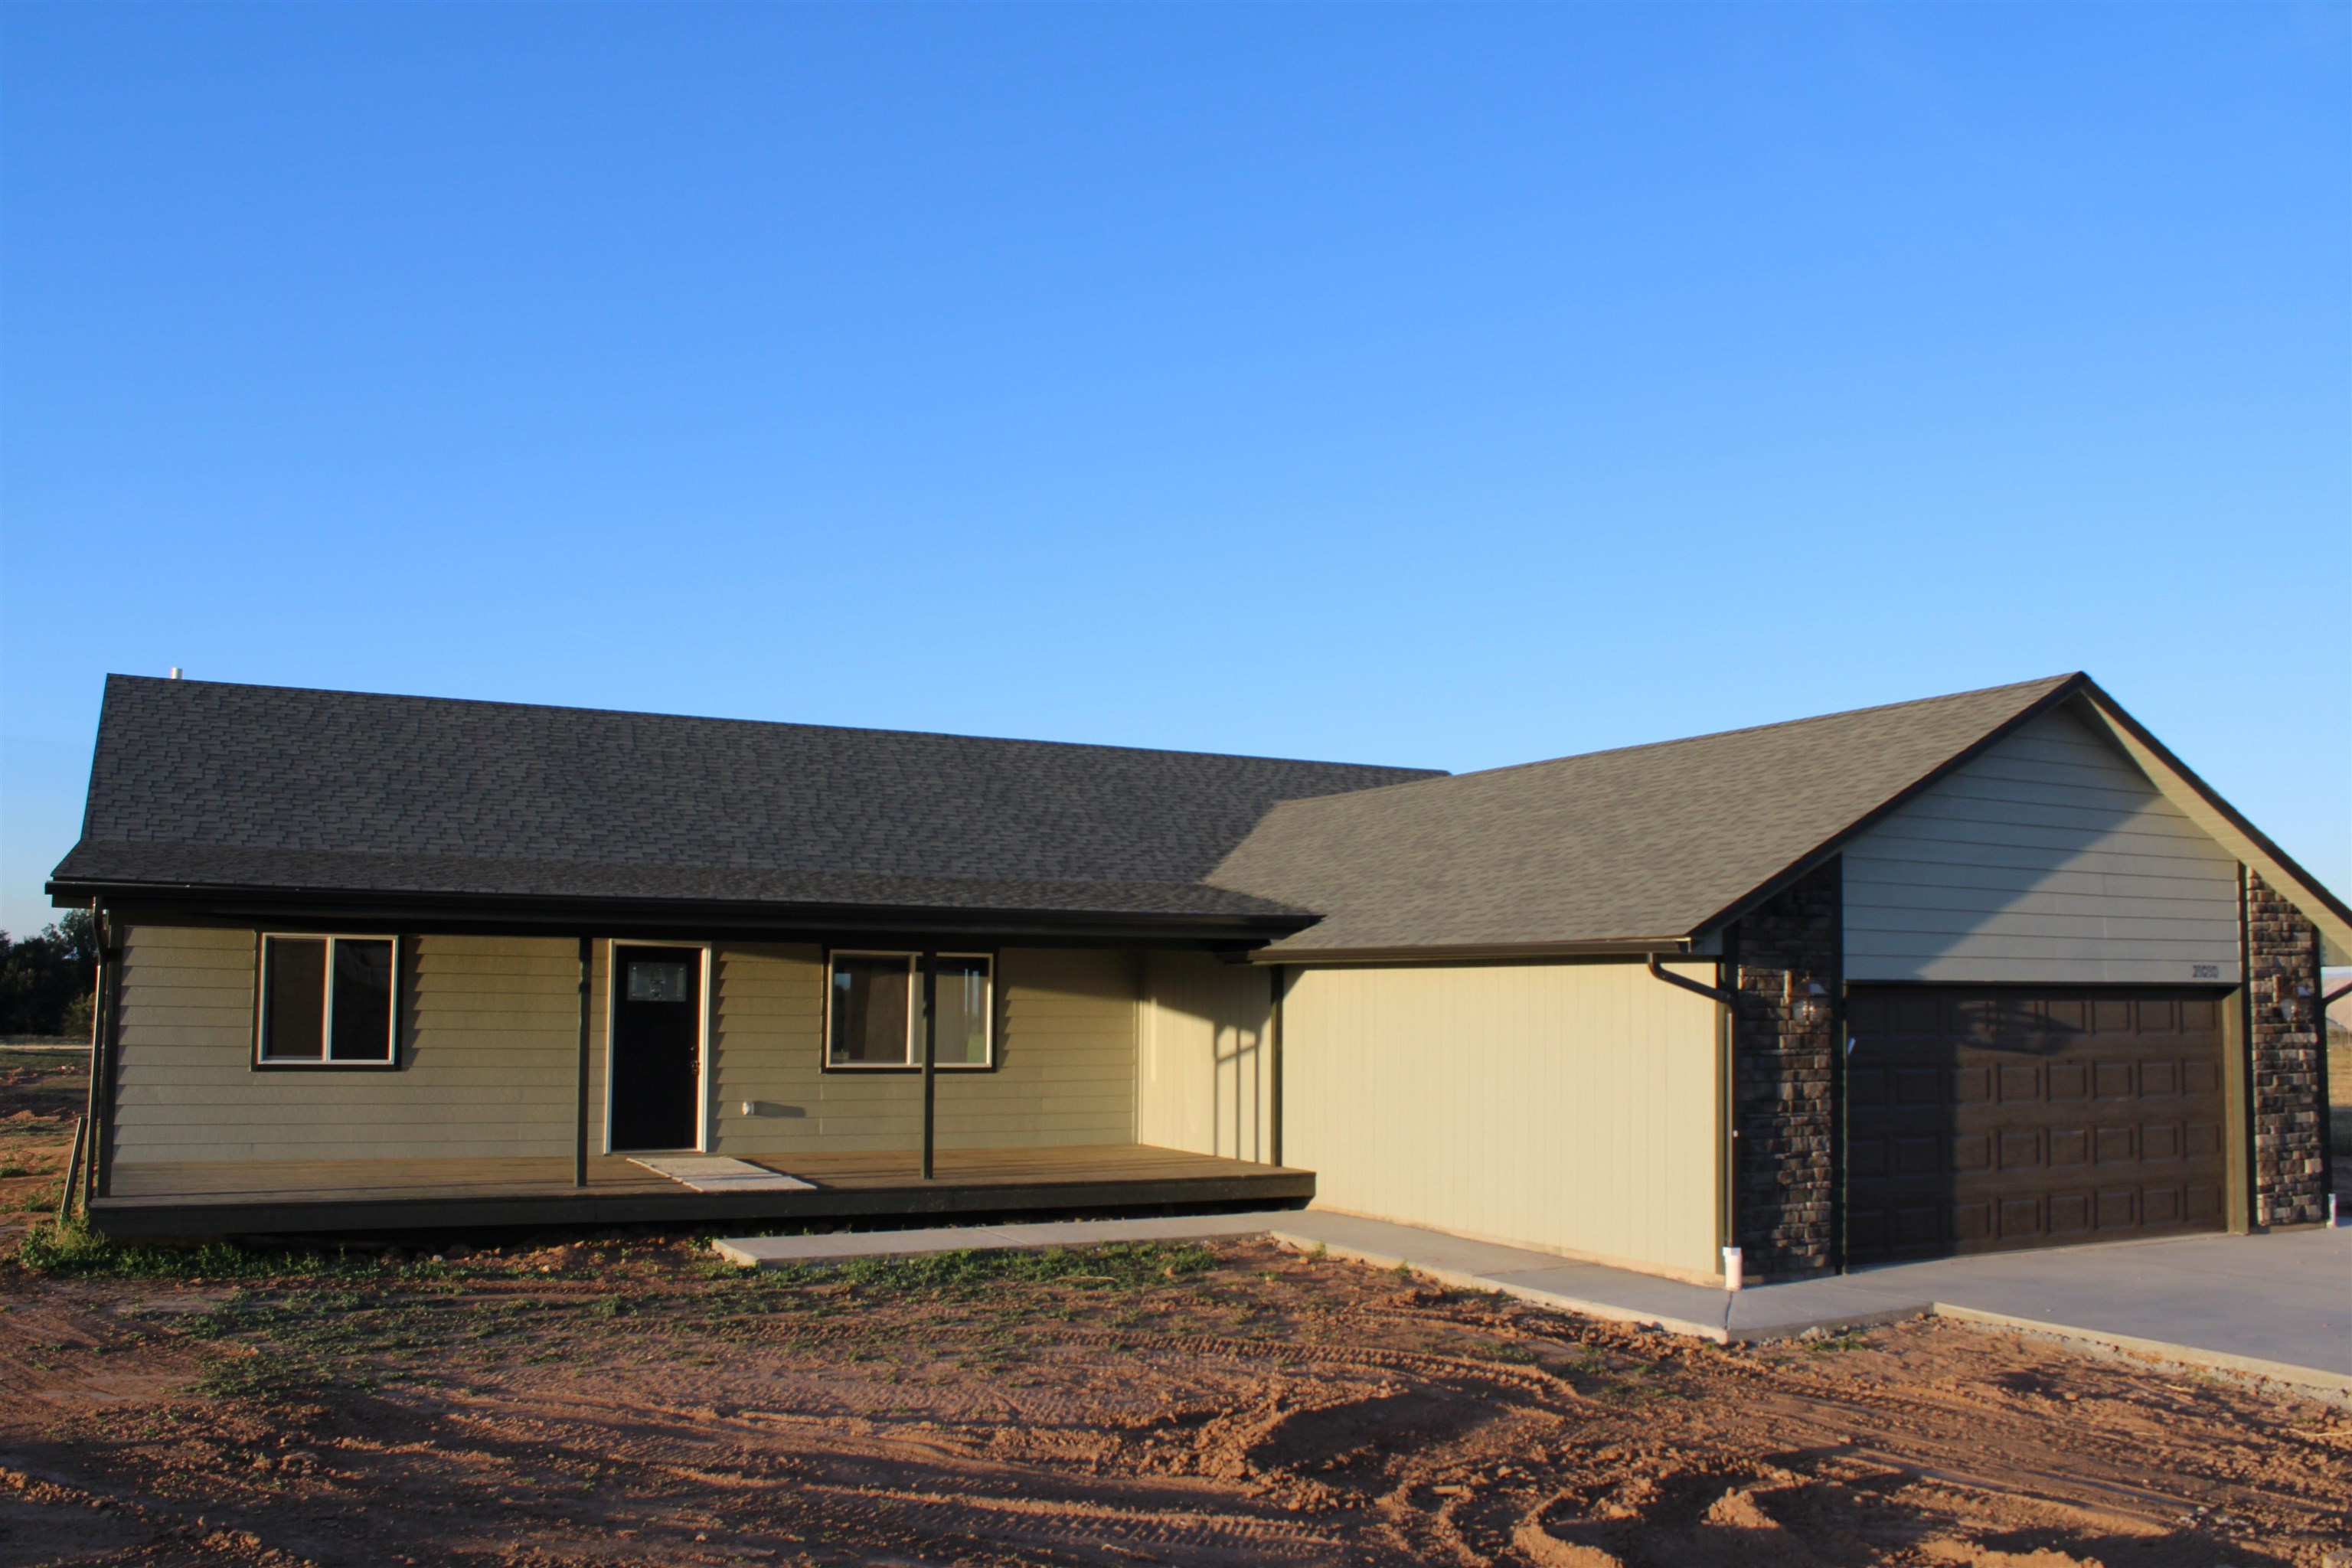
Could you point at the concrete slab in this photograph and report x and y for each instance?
(1593, 1289)
(2269, 1306)
(772, 1251)
(2276, 1307)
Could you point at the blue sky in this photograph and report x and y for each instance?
(1447, 386)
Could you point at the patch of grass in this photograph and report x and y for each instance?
(1117, 1266)
(75, 1252)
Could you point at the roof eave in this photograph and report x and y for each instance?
(2204, 805)
(557, 912)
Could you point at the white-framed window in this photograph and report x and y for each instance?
(328, 1001)
(874, 1011)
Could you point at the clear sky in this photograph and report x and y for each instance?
(1437, 384)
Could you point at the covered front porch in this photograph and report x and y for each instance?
(251, 1197)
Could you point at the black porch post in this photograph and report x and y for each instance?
(931, 1054)
(580, 1074)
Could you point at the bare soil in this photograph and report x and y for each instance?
(624, 1400)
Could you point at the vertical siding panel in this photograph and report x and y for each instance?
(1207, 1059)
(1564, 1106)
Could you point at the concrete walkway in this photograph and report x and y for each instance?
(2267, 1306)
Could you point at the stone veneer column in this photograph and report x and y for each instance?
(1784, 1045)
(2282, 997)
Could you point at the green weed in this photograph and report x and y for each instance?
(72, 1249)
(1119, 1265)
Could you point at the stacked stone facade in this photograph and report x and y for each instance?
(1784, 1065)
(2286, 1059)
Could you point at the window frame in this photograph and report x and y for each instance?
(327, 1061)
(914, 1062)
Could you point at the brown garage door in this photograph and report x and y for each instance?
(1984, 1119)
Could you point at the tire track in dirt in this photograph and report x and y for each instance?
(1325, 1414)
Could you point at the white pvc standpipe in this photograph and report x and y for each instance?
(1732, 1277)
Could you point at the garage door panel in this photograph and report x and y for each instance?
(1984, 1119)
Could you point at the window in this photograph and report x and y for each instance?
(875, 1006)
(326, 1000)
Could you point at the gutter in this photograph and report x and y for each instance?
(563, 915)
(1478, 953)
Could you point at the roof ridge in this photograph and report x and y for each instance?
(2042, 686)
(863, 730)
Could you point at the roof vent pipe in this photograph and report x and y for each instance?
(175, 672)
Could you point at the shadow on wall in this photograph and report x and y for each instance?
(1206, 1078)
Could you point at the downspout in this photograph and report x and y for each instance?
(82, 1164)
(102, 1066)
(2326, 1099)
(1725, 1134)
(2249, 1216)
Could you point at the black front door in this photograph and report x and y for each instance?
(656, 1086)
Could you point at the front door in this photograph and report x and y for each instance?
(657, 1088)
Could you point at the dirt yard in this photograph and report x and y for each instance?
(624, 1400)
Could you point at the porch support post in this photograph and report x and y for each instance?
(1279, 983)
(931, 1054)
(580, 1074)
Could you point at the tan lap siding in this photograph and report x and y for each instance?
(2050, 858)
(1206, 1080)
(489, 1029)
(1065, 1052)
(1566, 1107)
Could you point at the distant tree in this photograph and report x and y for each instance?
(47, 981)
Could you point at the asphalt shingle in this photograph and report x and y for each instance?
(203, 781)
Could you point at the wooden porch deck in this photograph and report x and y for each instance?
(262, 1197)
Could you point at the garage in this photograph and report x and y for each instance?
(1993, 1118)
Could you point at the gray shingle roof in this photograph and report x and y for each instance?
(267, 787)
(207, 784)
(1649, 842)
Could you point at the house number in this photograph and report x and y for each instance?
(2204, 972)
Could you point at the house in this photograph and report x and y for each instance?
(1986, 971)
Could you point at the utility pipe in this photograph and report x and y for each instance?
(87, 1169)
